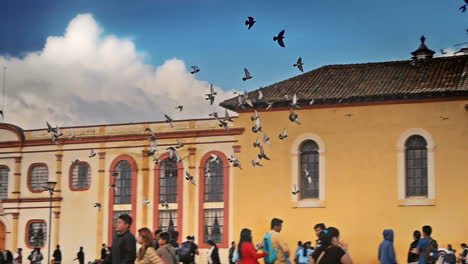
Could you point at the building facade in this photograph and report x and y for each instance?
(379, 145)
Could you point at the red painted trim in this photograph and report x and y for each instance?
(134, 165)
(32, 200)
(59, 157)
(130, 137)
(371, 103)
(201, 218)
(70, 177)
(29, 175)
(28, 225)
(15, 129)
(120, 147)
(180, 195)
(15, 215)
(39, 207)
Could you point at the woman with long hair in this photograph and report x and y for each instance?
(304, 253)
(146, 254)
(213, 253)
(247, 253)
(332, 250)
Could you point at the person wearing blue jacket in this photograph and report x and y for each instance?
(386, 249)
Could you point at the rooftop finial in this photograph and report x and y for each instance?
(423, 39)
(423, 52)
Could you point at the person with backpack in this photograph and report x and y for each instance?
(332, 250)
(299, 246)
(273, 243)
(412, 257)
(304, 253)
(187, 251)
(386, 249)
(246, 251)
(427, 247)
(450, 257)
(36, 256)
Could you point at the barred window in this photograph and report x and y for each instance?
(4, 171)
(214, 181)
(168, 181)
(214, 222)
(309, 182)
(123, 183)
(81, 176)
(39, 175)
(37, 233)
(167, 221)
(115, 216)
(416, 166)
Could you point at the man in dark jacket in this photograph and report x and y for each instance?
(103, 251)
(57, 255)
(231, 252)
(124, 243)
(412, 257)
(80, 256)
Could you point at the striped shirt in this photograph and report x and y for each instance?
(150, 257)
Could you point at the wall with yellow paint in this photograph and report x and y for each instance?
(361, 192)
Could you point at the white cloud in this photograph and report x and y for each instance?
(84, 78)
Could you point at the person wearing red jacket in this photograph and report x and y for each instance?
(247, 253)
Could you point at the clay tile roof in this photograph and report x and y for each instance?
(394, 80)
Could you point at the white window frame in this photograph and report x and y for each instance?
(295, 173)
(430, 200)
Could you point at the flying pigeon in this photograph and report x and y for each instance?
(227, 117)
(214, 158)
(146, 201)
(173, 154)
(279, 38)
(250, 22)
(295, 190)
(98, 205)
(235, 161)
(215, 115)
(307, 176)
(1, 113)
(266, 139)
(299, 64)
(255, 117)
(256, 162)
(260, 95)
(444, 118)
(256, 143)
(72, 135)
(256, 128)
(270, 104)
(92, 154)
(262, 154)
(180, 107)
(115, 174)
(189, 177)
(179, 144)
(247, 75)
(156, 160)
(169, 120)
(211, 95)
(50, 128)
(283, 135)
(463, 7)
(195, 69)
(224, 124)
(165, 204)
(294, 101)
(312, 102)
(113, 186)
(153, 150)
(293, 117)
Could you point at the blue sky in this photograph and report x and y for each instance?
(211, 34)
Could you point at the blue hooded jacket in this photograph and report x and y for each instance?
(386, 249)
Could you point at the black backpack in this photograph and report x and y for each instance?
(431, 249)
(185, 252)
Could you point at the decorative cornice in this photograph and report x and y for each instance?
(18, 159)
(15, 215)
(59, 157)
(32, 200)
(192, 151)
(102, 155)
(236, 148)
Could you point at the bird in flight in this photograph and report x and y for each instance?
(189, 177)
(283, 135)
(256, 162)
(169, 120)
(299, 64)
(195, 69)
(92, 154)
(250, 22)
(211, 95)
(247, 75)
(463, 7)
(293, 117)
(180, 107)
(280, 38)
(295, 190)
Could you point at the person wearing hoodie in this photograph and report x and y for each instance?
(386, 249)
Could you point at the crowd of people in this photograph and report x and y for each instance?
(328, 248)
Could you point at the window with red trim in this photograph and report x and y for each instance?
(36, 233)
(214, 181)
(38, 177)
(213, 225)
(80, 176)
(4, 171)
(123, 183)
(168, 181)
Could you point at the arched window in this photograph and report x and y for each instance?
(123, 183)
(36, 233)
(168, 181)
(416, 166)
(309, 170)
(4, 171)
(80, 176)
(214, 181)
(38, 176)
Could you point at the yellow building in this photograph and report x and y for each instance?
(380, 145)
